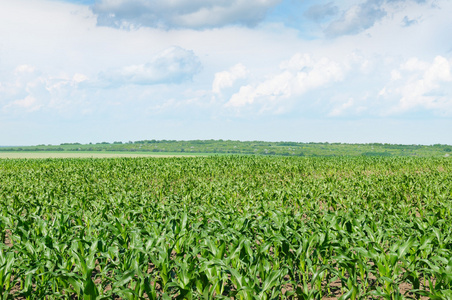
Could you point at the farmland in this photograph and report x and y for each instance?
(85, 154)
(243, 227)
(217, 147)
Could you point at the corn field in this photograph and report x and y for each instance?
(235, 227)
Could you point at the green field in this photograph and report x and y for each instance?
(239, 227)
(87, 154)
(225, 147)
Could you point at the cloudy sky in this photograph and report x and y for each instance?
(354, 71)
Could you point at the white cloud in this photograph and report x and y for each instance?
(274, 89)
(422, 85)
(226, 79)
(337, 111)
(439, 70)
(79, 78)
(395, 75)
(28, 89)
(24, 69)
(15, 91)
(173, 65)
(416, 91)
(414, 64)
(195, 14)
(29, 103)
(298, 75)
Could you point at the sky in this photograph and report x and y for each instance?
(351, 71)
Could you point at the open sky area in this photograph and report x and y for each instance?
(352, 71)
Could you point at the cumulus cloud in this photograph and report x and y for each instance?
(29, 90)
(173, 65)
(414, 64)
(422, 84)
(29, 103)
(18, 90)
(197, 14)
(24, 69)
(226, 79)
(298, 75)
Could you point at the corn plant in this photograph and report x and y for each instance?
(217, 227)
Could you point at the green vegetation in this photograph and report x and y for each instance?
(255, 148)
(246, 227)
(90, 154)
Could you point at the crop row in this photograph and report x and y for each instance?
(222, 227)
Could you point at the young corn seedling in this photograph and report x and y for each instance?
(6, 268)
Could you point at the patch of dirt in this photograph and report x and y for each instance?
(8, 241)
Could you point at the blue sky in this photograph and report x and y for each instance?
(354, 71)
